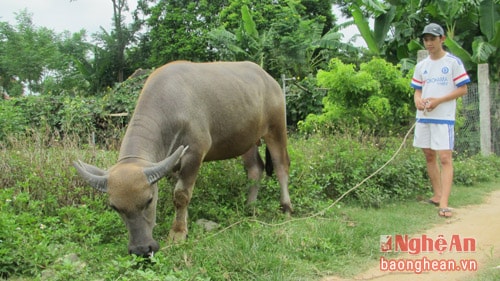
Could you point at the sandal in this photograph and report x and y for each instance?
(445, 212)
(432, 202)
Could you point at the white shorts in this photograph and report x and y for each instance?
(434, 136)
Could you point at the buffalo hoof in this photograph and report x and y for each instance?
(287, 209)
(177, 237)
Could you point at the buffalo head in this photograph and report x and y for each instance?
(133, 193)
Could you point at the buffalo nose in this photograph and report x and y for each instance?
(144, 250)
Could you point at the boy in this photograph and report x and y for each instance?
(438, 81)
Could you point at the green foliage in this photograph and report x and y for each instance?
(13, 122)
(25, 52)
(376, 98)
(283, 38)
(287, 37)
(177, 30)
(41, 60)
(349, 160)
(54, 227)
(57, 115)
(476, 169)
(302, 98)
(75, 116)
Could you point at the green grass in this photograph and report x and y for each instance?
(490, 271)
(53, 227)
(342, 242)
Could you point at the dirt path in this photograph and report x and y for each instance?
(481, 222)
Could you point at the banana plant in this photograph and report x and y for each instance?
(484, 47)
(244, 44)
(489, 23)
(384, 15)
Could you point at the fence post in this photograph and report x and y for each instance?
(484, 108)
(422, 54)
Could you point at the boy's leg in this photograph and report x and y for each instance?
(445, 158)
(434, 173)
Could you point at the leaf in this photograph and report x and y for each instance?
(415, 45)
(330, 40)
(460, 52)
(364, 29)
(496, 39)
(375, 6)
(383, 24)
(407, 64)
(481, 50)
(248, 22)
(221, 38)
(488, 17)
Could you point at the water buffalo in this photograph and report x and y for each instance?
(189, 113)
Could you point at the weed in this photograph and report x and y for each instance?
(54, 227)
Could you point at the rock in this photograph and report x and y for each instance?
(71, 258)
(207, 224)
(48, 274)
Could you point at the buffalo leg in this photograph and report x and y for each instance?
(182, 196)
(281, 162)
(254, 167)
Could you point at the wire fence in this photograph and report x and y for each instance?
(468, 134)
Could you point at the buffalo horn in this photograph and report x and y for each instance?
(94, 176)
(160, 169)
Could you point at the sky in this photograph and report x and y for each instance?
(91, 15)
(62, 15)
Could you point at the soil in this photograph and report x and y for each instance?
(481, 222)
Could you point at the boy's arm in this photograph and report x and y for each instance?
(417, 98)
(455, 94)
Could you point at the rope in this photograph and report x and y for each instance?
(322, 212)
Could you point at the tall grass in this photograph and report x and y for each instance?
(47, 212)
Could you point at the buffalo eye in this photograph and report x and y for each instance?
(114, 208)
(149, 202)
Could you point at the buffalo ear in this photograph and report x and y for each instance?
(94, 176)
(162, 168)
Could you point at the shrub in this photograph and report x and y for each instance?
(303, 98)
(376, 99)
(343, 162)
(13, 122)
(88, 119)
(475, 169)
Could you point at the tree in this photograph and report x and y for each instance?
(67, 77)
(282, 37)
(473, 28)
(50, 63)
(486, 35)
(26, 53)
(247, 43)
(122, 35)
(177, 30)
(322, 10)
(110, 61)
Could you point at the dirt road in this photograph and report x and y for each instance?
(481, 222)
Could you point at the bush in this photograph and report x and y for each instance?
(13, 122)
(376, 99)
(476, 169)
(303, 98)
(88, 119)
(343, 162)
